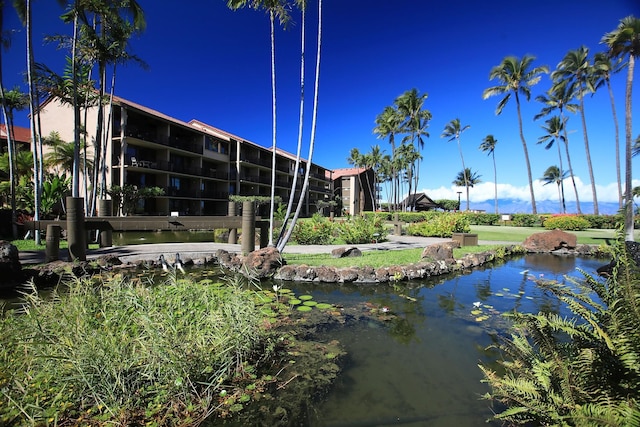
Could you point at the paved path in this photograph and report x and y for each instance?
(133, 253)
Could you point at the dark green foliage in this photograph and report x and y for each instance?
(448, 205)
(316, 230)
(578, 371)
(483, 218)
(524, 220)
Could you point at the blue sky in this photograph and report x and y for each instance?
(209, 63)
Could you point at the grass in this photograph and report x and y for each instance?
(519, 234)
(30, 245)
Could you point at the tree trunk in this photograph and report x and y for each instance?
(534, 210)
(628, 223)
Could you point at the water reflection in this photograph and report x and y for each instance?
(420, 368)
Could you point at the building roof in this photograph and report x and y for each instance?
(19, 133)
(420, 200)
(339, 173)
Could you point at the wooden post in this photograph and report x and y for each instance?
(233, 232)
(76, 233)
(248, 227)
(52, 250)
(105, 208)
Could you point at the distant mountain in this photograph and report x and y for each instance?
(507, 206)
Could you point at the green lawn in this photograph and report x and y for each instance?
(498, 233)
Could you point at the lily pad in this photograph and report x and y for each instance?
(294, 301)
(310, 303)
(305, 297)
(476, 312)
(324, 306)
(303, 308)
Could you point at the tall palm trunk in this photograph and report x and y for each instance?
(495, 182)
(534, 210)
(33, 110)
(75, 179)
(282, 243)
(464, 168)
(294, 185)
(628, 196)
(273, 109)
(617, 133)
(561, 183)
(588, 154)
(566, 147)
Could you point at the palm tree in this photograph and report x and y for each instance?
(554, 174)
(373, 160)
(452, 130)
(553, 133)
(275, 9)
(575, 69)
(283, 241)
(13, 100)
(467, 178)
(488, 146)
(559, 97)
(388, 124)
(415, 122)
(61, 156)
(603, 67)
(516, 77)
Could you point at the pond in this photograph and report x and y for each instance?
(420, 367)
(123, 238)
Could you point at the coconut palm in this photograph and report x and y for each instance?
(283, 241)
(467, 178)
(452, 130)
(488, 146)
(603, 68)
(515, 77)
(624, 42)
(559, 97)
(373, 160)
(358, 161)
(554, 174)
(576, 69)
(276, 9)
(61, 156)
(13, 100)
(388, 124)
(554, 133)
(415, 122)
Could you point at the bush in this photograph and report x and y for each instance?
(604, 221)
(483, 218)
(524, 220)
(316, 230)
(566, 222)
(443, 225)
(362, 229)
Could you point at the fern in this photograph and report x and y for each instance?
(583, 370)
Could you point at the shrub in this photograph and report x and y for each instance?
(524, 220)
(316, 230)
(566, 222)
(574, 371)
(443, 225)
(362, 229)
(604, 221)
(483, 218)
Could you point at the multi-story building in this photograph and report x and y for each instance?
(198, 166)
(354, 187)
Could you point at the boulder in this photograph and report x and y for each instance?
(549, 241)
(439, 251)
(264, 262)
(346, 252)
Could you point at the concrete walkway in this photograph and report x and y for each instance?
(134, 253)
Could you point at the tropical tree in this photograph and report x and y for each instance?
(408, 156)
(452, 130)
(410, 106)
(553, 133)
(603, 68)
(624, 42)
(559, 97)
(13, 100)
(357, 160)
(515, 77)
(388, 125)
(283, 241)
(275, 9)
(576, 70)
(488, 146)
(373, 161)
(61, 156)
(554, 174)
(467, 178)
